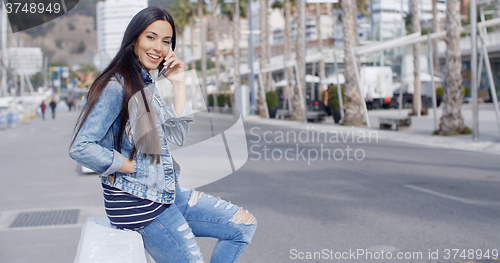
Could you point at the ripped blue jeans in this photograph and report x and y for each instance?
(170, 237)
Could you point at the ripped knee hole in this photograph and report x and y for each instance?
(243, 217)
(195, 196)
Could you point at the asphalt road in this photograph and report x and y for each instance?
(394, 197)
(399, 198)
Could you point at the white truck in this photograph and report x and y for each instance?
(376, 86)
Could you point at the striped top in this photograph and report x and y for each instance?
(128, 211)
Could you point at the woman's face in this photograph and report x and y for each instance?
(153, 44)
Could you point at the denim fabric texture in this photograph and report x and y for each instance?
(96, 144)
(170, 237)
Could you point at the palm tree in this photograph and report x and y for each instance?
(267, 46)
(452, 121)
(415, 20)
(296, 108)
(320, 48)
(297, 113)
(353, 107)
(182, 12)
(215, 29)
(234, 15)
(203, 47)
(300, 58)
(264, 52)
(435, 28)
(236, 39)
(180, 33)
(191, 30)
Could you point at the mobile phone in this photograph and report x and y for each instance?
(161, 68)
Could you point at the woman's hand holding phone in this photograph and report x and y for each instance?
(173, 68)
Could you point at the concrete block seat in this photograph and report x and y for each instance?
(102, 243)
(394, 123)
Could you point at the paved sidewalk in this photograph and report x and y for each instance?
(420, 131)
(40, 177)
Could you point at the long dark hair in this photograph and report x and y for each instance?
(127, 65)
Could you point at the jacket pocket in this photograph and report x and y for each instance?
(141, 167)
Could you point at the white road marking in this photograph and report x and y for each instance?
(454, 198)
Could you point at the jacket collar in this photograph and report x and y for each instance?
(146, 78)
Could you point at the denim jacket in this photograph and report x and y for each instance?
(95, 146)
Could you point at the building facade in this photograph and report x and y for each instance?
(112, 19)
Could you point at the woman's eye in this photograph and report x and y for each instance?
(166, 42)
(150, 37)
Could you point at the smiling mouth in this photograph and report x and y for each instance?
(153, 56)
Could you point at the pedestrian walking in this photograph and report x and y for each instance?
(53, 105)
(127, 143)
(70, 101)
(42, 108)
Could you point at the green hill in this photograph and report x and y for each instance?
(72, 38)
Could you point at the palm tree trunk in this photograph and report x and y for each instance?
(298, 115)
(267, 46)
(353, 107)
(452, 120)
(191, 33)
(215, 28)
(236, 48)
(263, 56)
(298, 47)
(415, 20)
(203, 47)
(435, 28)
(295, 107)
(320, 49)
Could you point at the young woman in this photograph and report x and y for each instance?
(123, 133)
